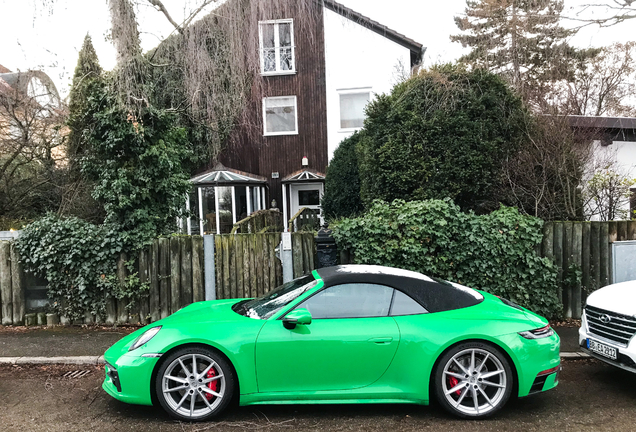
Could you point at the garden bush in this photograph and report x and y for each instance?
(342, 184)
(493, 252)
(78, 260)
(445, 133)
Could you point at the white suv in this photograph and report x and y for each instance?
(608, 325)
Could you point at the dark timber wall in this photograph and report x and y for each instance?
(283, 154)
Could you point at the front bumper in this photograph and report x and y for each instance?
(129, 378)
(626, 355)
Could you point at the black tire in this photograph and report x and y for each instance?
(175, 388)
(456, 381)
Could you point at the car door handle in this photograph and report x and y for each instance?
(381, 340)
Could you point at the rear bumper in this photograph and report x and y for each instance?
(546, 380)
(532, 358)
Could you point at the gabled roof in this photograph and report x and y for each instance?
(304, 176)
(416, 48)
(222, 176)
(4, 69)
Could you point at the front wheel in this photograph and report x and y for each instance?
(473, 380)
(195, 384)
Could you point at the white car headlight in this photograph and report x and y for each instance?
(144, 338)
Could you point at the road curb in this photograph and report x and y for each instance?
(99, 360)
(75, 360)
(575, 355)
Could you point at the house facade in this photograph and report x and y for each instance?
(318, 75)
(614, 145)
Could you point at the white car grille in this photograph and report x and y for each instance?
(610, 325)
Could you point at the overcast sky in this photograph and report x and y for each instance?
(47, 34)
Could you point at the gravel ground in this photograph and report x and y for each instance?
(591, 397)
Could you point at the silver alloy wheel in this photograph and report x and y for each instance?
(474, 381)
(186, 385)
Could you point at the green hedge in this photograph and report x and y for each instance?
(342, 184)
(493, 252)
(79, 262)
(444, 133)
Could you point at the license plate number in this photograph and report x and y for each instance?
(602, 349)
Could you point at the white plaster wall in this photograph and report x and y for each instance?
(624, 152)
(356, 58)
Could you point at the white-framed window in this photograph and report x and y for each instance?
(352, 105)
(280, 116)
(277, 47)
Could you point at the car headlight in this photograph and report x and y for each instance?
(539, 333)
(144, 338)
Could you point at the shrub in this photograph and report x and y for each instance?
(444, 133)
(493, 252)
(138, 166)
(342, 184)
(79, 262)
(75, 257)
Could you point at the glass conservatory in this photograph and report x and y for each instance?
(222, 197)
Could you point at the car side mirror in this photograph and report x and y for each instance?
(297, 317)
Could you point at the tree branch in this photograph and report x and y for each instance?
(161, 8)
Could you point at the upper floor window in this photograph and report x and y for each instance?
(277, 47)
(280, 116)
(352, 105)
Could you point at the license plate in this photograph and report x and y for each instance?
(602, 349)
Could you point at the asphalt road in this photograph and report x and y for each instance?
(591, 397)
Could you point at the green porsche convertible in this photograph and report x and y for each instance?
(345, 334)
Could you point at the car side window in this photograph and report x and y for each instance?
(356, 300)
(404, 305)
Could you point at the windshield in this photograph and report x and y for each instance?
(266, 306)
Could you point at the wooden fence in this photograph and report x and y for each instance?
(582, 247)
(12, 286)
(246, 265)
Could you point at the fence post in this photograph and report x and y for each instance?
(577, 259)
(122, 272)
(209, 269)
(286, 257)
(19, 287)
(5, 283)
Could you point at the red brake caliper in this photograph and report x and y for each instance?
(452, 382)
(212, 385)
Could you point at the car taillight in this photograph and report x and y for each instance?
(539, 333)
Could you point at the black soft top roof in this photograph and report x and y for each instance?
(433, 295)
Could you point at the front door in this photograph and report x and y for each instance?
(306, 195)
(349, 344)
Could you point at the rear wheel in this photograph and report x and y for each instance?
(195, 384)
(473, 380)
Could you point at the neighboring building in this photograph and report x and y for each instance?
(29, 103)
(614, 140)
(317, 87)
(34, 84)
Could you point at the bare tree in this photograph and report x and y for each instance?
(605, 14)
(32, 137)
(607, 85)
(606, 188)
(186, 22)
(544, 177)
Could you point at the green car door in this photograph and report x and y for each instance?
(349, 343)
